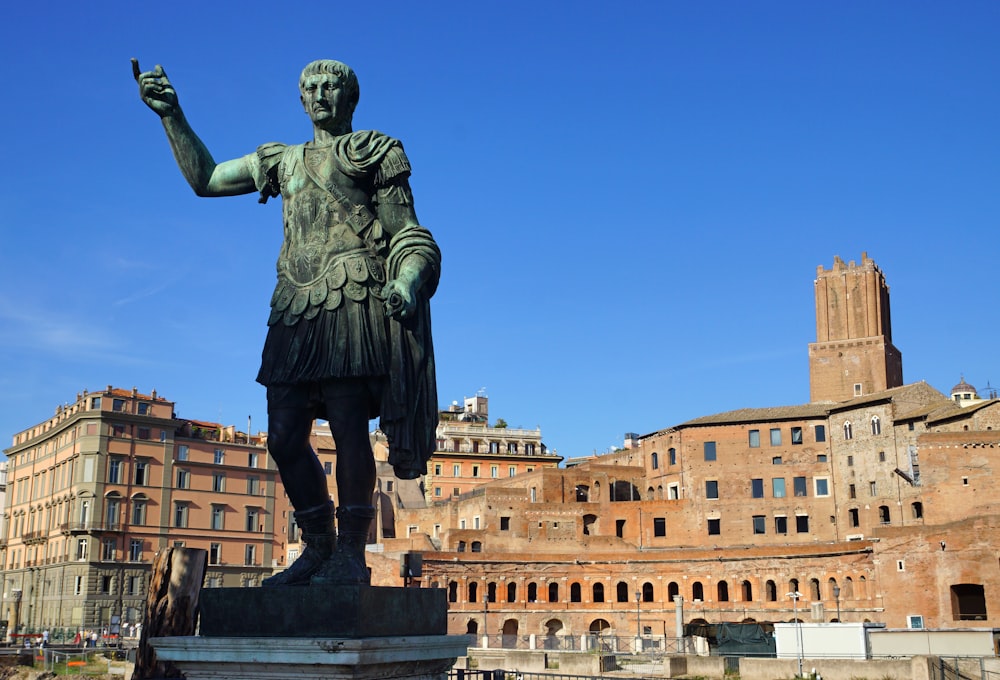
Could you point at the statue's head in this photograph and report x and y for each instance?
(337, 68)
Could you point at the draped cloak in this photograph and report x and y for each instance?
(327, 316)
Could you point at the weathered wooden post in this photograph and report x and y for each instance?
(171, 607)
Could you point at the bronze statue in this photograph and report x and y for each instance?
(349, 335)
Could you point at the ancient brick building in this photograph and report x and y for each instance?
(853, 354)
(872, 501)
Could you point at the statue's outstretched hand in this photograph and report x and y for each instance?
(155, 89)
(400, 299)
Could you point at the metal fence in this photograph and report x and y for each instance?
(608, 644)
(500, 674)
(962, 668)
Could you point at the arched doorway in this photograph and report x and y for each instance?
(597, 629)
(509, 634)
(553, 631)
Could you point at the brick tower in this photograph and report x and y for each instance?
(853, 354)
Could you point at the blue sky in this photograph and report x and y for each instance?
(632, 201)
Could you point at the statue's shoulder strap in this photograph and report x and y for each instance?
(266, 170)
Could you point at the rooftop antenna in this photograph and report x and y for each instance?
(991, 392)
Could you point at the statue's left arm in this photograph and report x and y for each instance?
(414, 259)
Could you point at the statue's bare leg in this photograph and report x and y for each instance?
(305, 483)
(347, 409)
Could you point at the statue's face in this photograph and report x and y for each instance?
(325, 101)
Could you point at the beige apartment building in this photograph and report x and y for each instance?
(97, 489)
(470, 452)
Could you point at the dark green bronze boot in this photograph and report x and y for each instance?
(346, 566)
(321, 541)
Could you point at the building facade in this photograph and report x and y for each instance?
(470, 452)
(106, 482)
(871, 503)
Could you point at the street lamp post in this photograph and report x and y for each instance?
(836, 596)
(638, 619)
(798, 627)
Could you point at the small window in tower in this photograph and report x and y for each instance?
(857, 390)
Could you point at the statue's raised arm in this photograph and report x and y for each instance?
(205, 176)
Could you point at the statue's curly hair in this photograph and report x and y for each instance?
(349, 80)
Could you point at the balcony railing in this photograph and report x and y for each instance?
(29, 537)
(483, 430)
(87, 527)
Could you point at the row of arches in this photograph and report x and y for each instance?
(744, 591)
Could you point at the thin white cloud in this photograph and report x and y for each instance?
(55, 331)
(141, 294)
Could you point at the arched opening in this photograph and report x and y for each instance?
(654, 460)
(553, 629)
(847, 592)
(491, 591)
(473, 591)
(793, 585)
(589, 524)
(452, 591)
(532, 592)
(697, 591)
(472, 627)
(509, 632)
(582, 493)
(553, 592)
(722, 590)
(673, 590)
(512, 592)
(597, 628)
(621, 592)
(814, 593)
(477, 546)
(747, 591)
(647, 592)
(575, 594)
(598, 592)
(883, 514)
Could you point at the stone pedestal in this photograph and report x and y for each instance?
(427, 657)
(317, 632)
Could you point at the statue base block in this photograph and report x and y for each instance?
(427, 657)
(323, 612)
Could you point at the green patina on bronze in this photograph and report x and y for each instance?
(349, 332)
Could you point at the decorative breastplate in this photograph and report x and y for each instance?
(322, 260)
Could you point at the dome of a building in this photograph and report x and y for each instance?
(963, 388)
